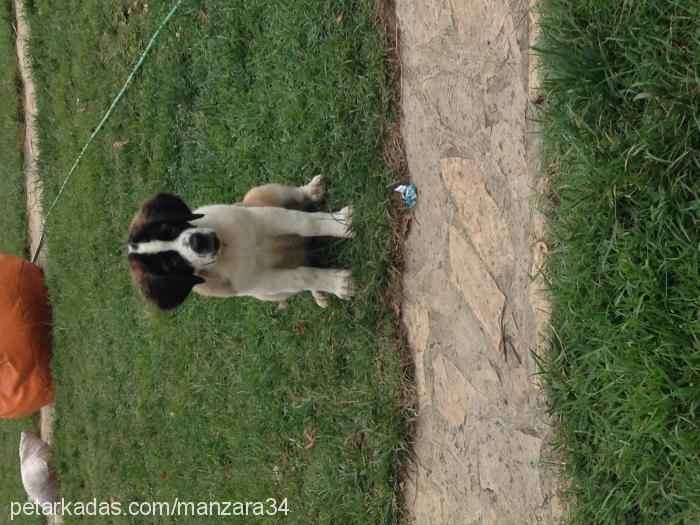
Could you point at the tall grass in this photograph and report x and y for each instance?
(622, 137)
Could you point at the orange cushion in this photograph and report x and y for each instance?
(25, 338)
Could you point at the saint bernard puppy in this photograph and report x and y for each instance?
(258, 247)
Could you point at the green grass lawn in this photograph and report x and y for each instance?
(223, 399)
(13, 241)
(622, 135)
(12, 201)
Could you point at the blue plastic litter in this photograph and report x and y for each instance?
(408, 192)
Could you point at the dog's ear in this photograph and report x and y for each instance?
(163, 207)
(167, 291)
(167, 207)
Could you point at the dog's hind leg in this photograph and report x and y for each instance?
(301, 198)
(278, 196)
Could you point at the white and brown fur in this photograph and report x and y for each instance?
(258, 247)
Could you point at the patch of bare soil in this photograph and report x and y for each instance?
(31, 156)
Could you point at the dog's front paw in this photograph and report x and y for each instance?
(315, 190)
(345, 217)
(344, 285)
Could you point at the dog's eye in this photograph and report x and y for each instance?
(172, 263)
(169, 231)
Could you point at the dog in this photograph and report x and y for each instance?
(258, 247)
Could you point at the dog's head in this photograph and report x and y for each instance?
(166, 250)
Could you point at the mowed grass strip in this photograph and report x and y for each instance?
(13, 223)
(12, 241)
(223, 399)
(622, 134)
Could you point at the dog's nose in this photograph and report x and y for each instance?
(202, 243)
(199, 243)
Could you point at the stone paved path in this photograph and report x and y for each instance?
(473, 304)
